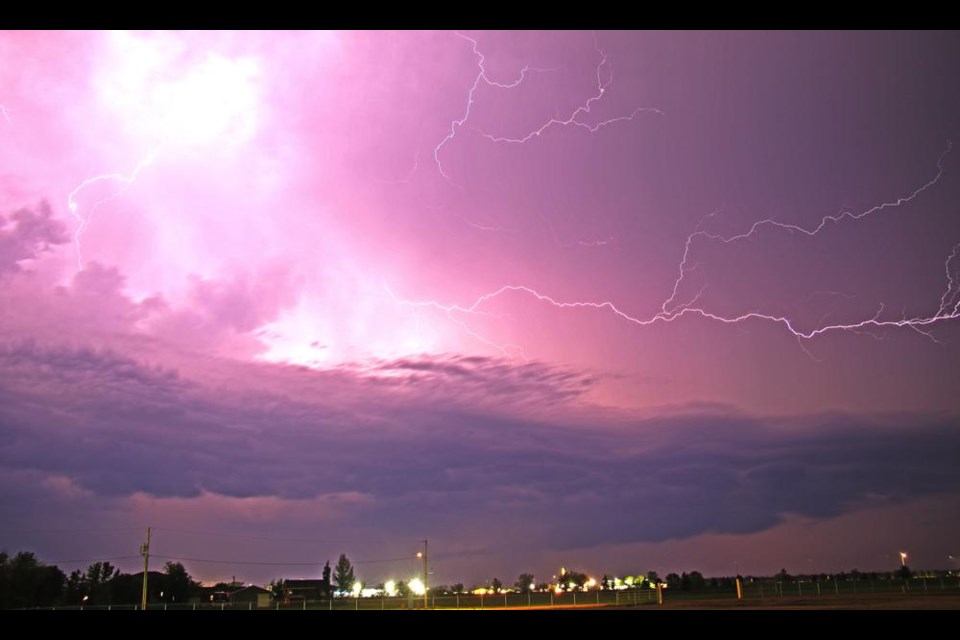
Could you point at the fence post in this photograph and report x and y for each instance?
(458, 601)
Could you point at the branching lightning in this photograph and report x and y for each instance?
(482, 77)
(124, 182)
(949, 307)
(574, 118)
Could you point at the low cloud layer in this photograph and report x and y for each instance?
(454, 457)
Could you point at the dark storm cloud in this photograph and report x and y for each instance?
(28, 233)
(422, 457)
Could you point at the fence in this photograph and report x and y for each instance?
(756, 591)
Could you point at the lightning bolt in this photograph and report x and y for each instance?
(482, 77)
(949, 307)
(584, 109)
(123, 180)
(449, 310)
(600, 242)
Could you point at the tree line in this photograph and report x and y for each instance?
(25, 582)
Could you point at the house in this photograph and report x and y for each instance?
(251, 595)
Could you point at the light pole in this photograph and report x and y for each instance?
(903, 559)
(423, 554)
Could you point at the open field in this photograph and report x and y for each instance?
(930, 600)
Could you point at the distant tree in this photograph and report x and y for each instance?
(673, 580)
(783, 576)
(457, 588)
(524, 583)
(496, 586)
(904, 573)
(177, 583)
(403, 589)
(325, 588)
(98, 580)
(653, 577)
(101, 572)
(571, 580)
(697, 581)
(343, 574)
(26, 582)
(543, 586)
(74, 588)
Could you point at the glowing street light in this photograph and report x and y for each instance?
(391, 588)
(416, 586)
(903, 559)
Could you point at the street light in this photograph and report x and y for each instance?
(903, 559)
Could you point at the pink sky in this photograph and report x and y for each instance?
(624, 300)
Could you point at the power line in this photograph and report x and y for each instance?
(109, 530)
(284, 563)
(257, 537)
(89, 560)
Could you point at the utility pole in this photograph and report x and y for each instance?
(145, 552)
(425, 573)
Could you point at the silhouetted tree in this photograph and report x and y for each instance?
(696, 581)
(98, 579)
(457, 588)
(653, 577)
(326, 580)
(343, 574)
(904, 573)
(524, 583)
(673, 580)
(783, 576)
(177, 583)
(496, 586)
(26, 582)
(74, 588)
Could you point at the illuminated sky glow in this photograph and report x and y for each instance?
(618, 300)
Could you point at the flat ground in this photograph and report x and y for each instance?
(931, 600)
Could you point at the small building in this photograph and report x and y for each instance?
(309, 590)
(252, 595)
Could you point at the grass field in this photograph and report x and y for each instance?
(887, 594)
